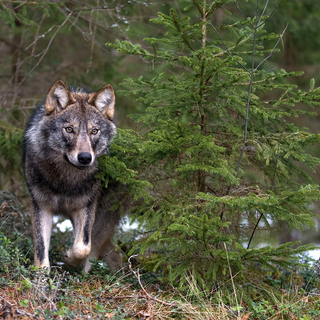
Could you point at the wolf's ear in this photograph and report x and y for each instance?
(104, 100)
(58, 98)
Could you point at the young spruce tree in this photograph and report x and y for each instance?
(219, 156)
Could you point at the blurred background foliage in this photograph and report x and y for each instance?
(42, 41)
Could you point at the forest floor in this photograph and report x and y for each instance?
(134, 294)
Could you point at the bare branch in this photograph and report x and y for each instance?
(47, 48)
(229, 52)
(93, 34)
(137, 275)
(270, 54)
(271, 14)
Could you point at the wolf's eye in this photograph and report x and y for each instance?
(94, 131)
(69, 129)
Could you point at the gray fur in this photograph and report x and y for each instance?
(62, 142)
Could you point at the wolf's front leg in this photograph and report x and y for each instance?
(82, 225)
(41, 219)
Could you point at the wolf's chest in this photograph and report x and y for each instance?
(68, 206)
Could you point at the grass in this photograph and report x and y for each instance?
(133, 293)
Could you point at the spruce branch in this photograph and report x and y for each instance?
(178, 27)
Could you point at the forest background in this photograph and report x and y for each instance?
(41, 42)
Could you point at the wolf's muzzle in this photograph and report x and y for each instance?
(84, 158)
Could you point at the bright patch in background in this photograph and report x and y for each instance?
(314, 254)
(66, 224)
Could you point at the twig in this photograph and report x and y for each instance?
(137, 275)
(276, 6)
(254, 230)
(93, 34)
(140, 296)
(21, 312)
(42, 36)
(36, 37)
(104, 7)
(48, 46)
(51, 302)
(228, 50)
(270, 54)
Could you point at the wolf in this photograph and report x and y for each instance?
(62, 142)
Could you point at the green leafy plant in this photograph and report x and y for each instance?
(218, 148)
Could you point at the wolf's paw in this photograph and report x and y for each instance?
(76, 255)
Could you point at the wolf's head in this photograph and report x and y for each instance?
(78, 125)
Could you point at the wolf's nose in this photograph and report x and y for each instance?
(84, 157)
